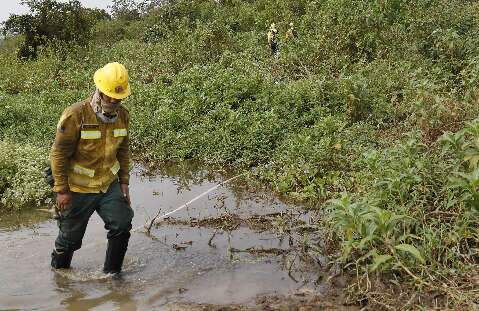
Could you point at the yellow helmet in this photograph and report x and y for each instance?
(112, 80)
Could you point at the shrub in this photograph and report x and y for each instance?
(21, 180)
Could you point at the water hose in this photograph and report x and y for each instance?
(158, 217)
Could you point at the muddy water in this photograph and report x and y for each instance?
(177, 263)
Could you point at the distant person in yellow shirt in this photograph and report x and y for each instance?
(291, 34)
(273, 40)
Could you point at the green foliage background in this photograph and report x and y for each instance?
(354, 111)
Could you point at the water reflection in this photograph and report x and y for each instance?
(22, 219)
(113, 295)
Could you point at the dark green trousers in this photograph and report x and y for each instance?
(112, 207)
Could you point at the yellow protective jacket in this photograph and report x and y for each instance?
(271, 37)
(88, 154)
(291, 33)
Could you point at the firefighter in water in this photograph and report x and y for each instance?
(90, 164)
(273, 40)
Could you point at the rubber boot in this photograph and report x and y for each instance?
(61, 260)
(115, 253)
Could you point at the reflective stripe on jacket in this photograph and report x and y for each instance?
(88, 154)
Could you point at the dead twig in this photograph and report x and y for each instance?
(148, 230)
(211, 239)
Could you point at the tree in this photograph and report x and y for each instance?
(125, 9)
(50, 21)
(129, 10)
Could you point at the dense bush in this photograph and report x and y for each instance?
(21, 180)
(418, 216)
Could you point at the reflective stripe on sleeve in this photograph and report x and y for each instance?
(83, 170)
(115, 168)
(119, 132)
(90, 134)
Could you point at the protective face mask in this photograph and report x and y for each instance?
(107, 108)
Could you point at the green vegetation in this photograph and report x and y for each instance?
(370, 114)
(51, 20)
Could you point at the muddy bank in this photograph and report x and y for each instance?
(301, 301)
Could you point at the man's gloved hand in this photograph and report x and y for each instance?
(126, 192)
(64, 199)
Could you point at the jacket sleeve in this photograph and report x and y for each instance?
(66, 140)
(123, 156)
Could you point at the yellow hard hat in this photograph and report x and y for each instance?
(112, 80)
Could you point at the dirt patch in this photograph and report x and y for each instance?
(260, 251)
(227, 222)
(231, 222)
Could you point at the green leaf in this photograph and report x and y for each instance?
(473, 158)
(411, 250)
(365, 240)
(379, 260)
